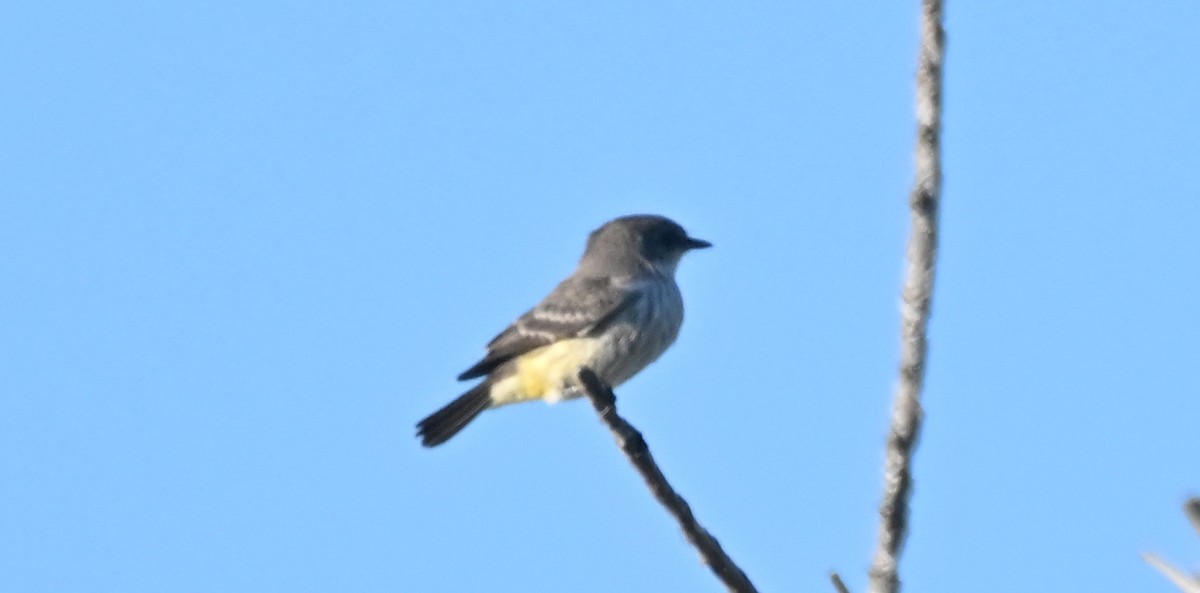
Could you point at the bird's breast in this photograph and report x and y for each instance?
(642, 335)
(636, 338)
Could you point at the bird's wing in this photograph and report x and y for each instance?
(578, 307)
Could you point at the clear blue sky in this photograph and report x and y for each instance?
(246, 246)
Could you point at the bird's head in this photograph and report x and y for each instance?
(630, 244)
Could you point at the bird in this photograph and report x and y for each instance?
(615, 314)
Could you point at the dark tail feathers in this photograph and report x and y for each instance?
(446, 422)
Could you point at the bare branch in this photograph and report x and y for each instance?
(918, 292)
(1180, 579)
(631, 442)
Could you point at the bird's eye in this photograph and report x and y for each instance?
(676, 237)
(667, 238)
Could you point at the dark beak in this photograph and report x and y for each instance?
(697, 244)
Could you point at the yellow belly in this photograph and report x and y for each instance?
(545, 373)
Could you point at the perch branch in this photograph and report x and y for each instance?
(918, 292)
(634, 446)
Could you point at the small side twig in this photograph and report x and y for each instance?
(1191, 508)
(1186, 582)
(918, 293)
(838, 585)
(634, 446)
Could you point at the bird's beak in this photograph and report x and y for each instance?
(697, 244)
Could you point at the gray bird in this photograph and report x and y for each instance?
(615, 314)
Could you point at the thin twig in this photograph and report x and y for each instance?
(918, 292)
(631, 442)
(1186, 583)
(1191, 508)
(837, 583)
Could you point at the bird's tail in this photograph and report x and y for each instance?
(446, 422)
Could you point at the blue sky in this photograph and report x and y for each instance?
(246, 246)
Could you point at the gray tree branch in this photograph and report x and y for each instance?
(634, 446)
(918, 293)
